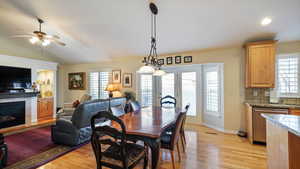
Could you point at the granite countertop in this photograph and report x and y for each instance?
(290, 106)
(289, 122)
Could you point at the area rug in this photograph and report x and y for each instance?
(33, 148)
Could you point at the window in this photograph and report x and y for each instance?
(168, 84)
(97, 84)
(212, 89)
(288, 75)
(145, 91)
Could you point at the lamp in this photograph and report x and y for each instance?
(151, 61)
(112, 88)
(159, 72)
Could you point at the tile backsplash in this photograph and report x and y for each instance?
(262, 95)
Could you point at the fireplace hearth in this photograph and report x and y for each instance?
(12, 114)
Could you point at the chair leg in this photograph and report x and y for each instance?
(182, 142)
(183, 135)
(146, 162)
(178, 150)
(173, 159)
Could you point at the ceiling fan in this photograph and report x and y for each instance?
(39, 37)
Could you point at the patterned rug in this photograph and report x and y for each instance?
(33, 148)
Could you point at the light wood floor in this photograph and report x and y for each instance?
(206, 149)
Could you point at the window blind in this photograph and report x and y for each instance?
(97, 84)
(146, 90)
(212, 91)
(288, 75)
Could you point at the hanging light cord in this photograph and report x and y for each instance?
(152, 57)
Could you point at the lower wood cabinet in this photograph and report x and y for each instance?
(256, 124)
(45, 109)
(294, 112)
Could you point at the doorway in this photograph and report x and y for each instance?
(200, 85)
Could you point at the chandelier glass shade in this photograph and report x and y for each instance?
(151, 65)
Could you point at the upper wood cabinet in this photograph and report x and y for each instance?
(260, 64)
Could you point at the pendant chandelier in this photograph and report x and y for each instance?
(151, 61)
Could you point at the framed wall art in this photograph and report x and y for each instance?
(77, 81)
(127, 80)
(116, 76)
(169, 60)
(188, 59)
(177, 59)
(161, 61)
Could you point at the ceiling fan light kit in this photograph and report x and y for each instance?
(151, 61)
(40, 37)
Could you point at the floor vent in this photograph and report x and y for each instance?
(211, 133)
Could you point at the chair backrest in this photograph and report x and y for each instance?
(184, 119)
(135, 106)
(187, 107)
(168, 100)
(176, 131)
(108, 135)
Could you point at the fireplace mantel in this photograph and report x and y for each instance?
(18, 95)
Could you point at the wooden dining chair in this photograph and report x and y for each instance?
(111, 147)
(182, 132)
(168, 100)
(169, 140)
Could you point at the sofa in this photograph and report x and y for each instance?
(75, 129)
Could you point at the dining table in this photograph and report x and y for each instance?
(147, 125)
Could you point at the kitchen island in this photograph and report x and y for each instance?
(283, 141)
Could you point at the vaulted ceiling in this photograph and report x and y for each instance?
(98, 30)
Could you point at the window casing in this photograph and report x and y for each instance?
(97, 84)
(287, 75)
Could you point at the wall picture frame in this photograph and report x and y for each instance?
(188, 59)
(127, 80)
(178, 59)
(116, 76)
(169, 60)
(77, 81)
(161, 61)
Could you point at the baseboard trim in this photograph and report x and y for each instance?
(220, 129)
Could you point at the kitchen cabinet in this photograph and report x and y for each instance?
(294, 112)
(256, 124)
(283, 146)
(260, 64)
(45, 109)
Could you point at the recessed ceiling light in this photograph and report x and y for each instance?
(266, 21)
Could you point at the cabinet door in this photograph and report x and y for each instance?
(259, 127)
(294, 112)
(42, 109)
(50, 108)
(262, 65)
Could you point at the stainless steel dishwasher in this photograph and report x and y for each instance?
(259, 123)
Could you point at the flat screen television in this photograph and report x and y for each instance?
(14, 79)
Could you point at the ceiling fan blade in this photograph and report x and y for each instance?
(52, 36)
(59, 42)
(22, 36)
